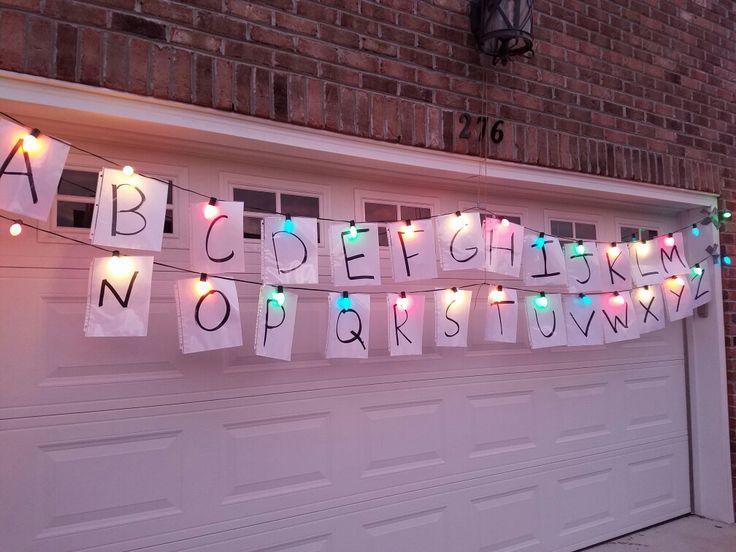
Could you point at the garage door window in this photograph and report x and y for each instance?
(75, 201)
(259, 203)
(628, 233)
(381, 212)
(573, 230)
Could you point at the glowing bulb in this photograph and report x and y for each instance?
(279, 296)
(408, 229)
(30, 143)
(539, 242)
(586, 300)
(645, 294)
(614, 250)
(677, 281)
(353, 233)
(118, 265)
(505, 222)
(617, 299)
(497, 295)
(580, 248)
(696, 271)
(203, 286)
(726, 259)
(695, 230)
(454, 295)
(726, 214)
(541, 301)
(288, 224)
(211, 210)
(403, 301)
(642, 247)
(128, 170)
(460, 221)
(669, 241)
(15, 229)
(344, 301)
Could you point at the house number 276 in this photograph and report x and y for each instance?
(467, 120)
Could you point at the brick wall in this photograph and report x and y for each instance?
(643, 90)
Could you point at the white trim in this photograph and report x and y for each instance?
(54, 100)
(263, 135)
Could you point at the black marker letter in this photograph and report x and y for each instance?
(207, 243)
(199, 305)
(276, 252)
(123, 302)
(268, 310)
(133, 210)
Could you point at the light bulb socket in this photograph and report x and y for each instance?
(212, 201)
(542, 294)
(279, 289)
(499, 288)
(203, 277)
(345, 295)
(407, 222)
(453, 289)
(288, 216)
(116, 253)
(402, 295)
(581, 295)
(580, 242)
(35, 133)
(458, 214)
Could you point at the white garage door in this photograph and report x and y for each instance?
(125, 444)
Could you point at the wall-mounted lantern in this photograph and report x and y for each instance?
(503, 28)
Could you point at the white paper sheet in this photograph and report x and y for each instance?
(413, 250)
(129, 211)
(289, 253)
(32, 192)
(645, 264)
(119, 296)
(583, 320)
(672, 257)
(583, 269)
(355, 260)
(546, 325)
(209, 320)
(701, 287)
(216, 243)
(619, 319)
(545, 265)
(275, 323)
(452, 313)
(502, 316)
(696, 247)
(649, 308)
(348, 328)
(615, 263)
(504, 247)
(405, 325)
(460, 241)
(678, 298)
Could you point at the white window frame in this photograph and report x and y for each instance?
(363, 196)
(178, 175)
(571, 216)
(496, 208)
(231, 181)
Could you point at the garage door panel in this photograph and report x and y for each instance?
(72, 372)
(162, 471)
(555, 508)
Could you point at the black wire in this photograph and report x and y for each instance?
(200, 194)
(299, 288)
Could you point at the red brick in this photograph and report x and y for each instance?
(66, 52)
(315, 112)
(138, 52)
(263, 94)
(377, 117)
(203, 75)
(167, 9)
(297, 99)
(39, 46)
(160, 69)
(243, 88)
(76, 12)
(223, 85)
(180, 85)
(12, 26)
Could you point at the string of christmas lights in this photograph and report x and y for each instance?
(30, 143)
(495, 294)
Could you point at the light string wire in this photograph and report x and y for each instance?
(303, 288)
(171, 183)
